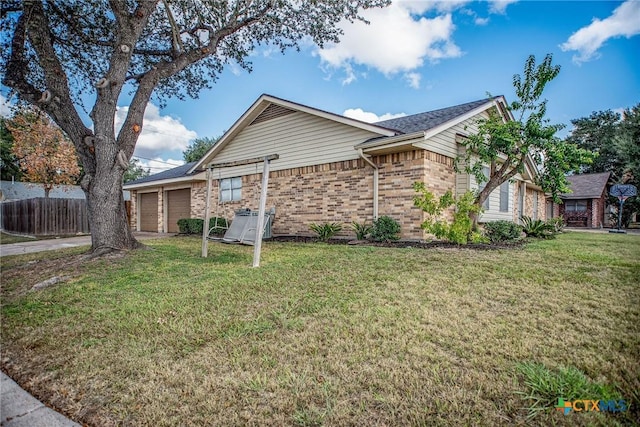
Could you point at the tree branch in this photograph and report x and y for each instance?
(34, 24)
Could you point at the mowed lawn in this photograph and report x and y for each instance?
(326, 334)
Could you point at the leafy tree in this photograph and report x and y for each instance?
(9, 168)
(44, 153)
(504, 145)
(597, 133)
(460, 229)
(615, 138)
(54, 52)
(198, 148)
(135, 171)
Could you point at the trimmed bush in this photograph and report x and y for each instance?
(194, 225)
(385, 229)
(502, 231)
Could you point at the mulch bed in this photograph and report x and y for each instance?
(403, 243)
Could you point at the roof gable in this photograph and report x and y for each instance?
(268, 107)
(587, 186)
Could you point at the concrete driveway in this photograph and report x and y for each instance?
(67, 242)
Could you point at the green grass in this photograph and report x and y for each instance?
(329, 335)
(7, 239)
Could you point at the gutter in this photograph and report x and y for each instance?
(390, 140)
(375, 182)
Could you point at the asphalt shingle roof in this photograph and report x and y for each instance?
(586, 186)
(430, 119)
(176, 172)
(407, 124)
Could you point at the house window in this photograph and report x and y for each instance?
(504, 197)
(230, 189)
(486, 172)
(575, 205)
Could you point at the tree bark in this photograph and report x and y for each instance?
(107, 214)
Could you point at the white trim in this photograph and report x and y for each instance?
(185, 179)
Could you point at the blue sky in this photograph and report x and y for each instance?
(417, 56)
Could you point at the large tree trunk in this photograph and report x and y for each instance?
(107, 214)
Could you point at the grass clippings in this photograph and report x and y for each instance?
(324, 334)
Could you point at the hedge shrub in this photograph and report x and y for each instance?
(385, 229)
(502, 231)
(194, 225)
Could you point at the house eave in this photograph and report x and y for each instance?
(164, 182)
(466, 116)
(390, 142)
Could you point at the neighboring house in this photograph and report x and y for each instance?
(26, 190)
(331, 168)
(585, 205)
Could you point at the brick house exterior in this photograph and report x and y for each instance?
(325, 170)
(585, 205)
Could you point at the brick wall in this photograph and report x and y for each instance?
(339, 192)
(529, 204)
(133, 218)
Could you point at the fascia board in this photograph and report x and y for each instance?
(459, 119)
(162, 182)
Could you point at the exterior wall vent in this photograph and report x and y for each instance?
(271, 112)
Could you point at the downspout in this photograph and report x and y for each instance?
(375, 183)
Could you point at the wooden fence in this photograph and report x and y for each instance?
(42, 216)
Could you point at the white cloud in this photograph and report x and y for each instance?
(160, 134)
(499, 6)
(366, 116)
(481, 21)
(5, 107)
(413, 79)
(625, 21)
(398, 39)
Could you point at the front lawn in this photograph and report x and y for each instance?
(329, 334)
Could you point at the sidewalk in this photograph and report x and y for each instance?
(67, 242)
(19, 409)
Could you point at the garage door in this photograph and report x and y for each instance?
(178, 206)
(149, 212)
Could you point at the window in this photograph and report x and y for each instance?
(230, 189)
(575, 205)
(504, 197)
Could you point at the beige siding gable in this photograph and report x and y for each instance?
(299, 139)
(445, 142)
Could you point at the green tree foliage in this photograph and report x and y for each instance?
(615, 139)
(460, 229)
(504, 144)
(135, 171)
(9, 167)
(198, 148)
(59, 54)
